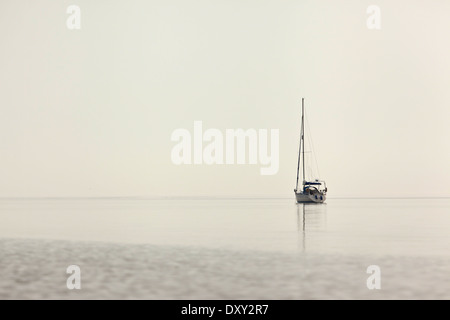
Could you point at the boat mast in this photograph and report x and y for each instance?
(303, 139)
(300, 151)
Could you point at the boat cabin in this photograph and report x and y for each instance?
(315, 187)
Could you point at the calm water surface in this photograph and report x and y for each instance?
(225, 248)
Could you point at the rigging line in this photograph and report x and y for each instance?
(310, 156)
(312, 146)
(314, 154)
(299, 150)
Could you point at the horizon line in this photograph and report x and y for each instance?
(205, 197)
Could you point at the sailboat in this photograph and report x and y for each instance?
(312, 190)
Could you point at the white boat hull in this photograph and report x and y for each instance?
(311, 198)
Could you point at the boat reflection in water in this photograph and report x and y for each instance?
(311, 225)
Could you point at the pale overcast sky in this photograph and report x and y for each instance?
(90, 112)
